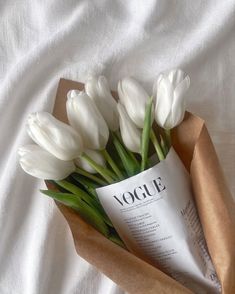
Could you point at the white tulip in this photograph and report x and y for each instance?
(56, 137)
(72, 93)
(133, 96)
(94, 155)
(169, 91)
(98, 90)
(85, 118)
(131, 135)
(41, 164)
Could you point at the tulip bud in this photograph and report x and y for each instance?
(169, 91)
(72, 93)
(56, 137)
(133, 96)
(94, 155)
(131, 135)
(41, 164)
(86, 119)
(98, 90)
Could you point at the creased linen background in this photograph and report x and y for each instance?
(41, 41)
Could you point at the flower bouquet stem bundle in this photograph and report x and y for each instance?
(107, 147)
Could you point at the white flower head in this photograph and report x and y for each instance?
(134, 97)
(56, 137)
(131, 135)
(98, 90)
(85, 118)
(169, 92)
(41, 164)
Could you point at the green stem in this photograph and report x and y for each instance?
(164, 146)
(90, 176)
(113, 165)
(156, 145)
(132, 155)
(117, 135)
(129, 164)
(146, 133)
(104, 172)
(168, 137)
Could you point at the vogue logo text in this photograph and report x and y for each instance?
(141, 192)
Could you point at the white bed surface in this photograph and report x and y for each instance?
(41, 41)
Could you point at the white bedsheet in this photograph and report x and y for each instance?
(41, 41)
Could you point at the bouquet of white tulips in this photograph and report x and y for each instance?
(114, 165)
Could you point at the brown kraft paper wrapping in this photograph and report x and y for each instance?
(213, 199)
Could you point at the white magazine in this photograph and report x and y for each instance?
(155, 215)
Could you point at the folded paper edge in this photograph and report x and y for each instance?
(216, 209)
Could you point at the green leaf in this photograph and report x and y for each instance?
(146, 133)
(71, 187)
(117, 240)
(88, 184)
(107, 174)
(84, 173)
(65, 198)
(88, 213)
(163, 145)
(156, 145)
(112, 164)
(90, 187)
(78, 192)
(130, 165)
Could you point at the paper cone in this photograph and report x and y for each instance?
(214, 202)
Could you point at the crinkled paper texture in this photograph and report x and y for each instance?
(214, 202)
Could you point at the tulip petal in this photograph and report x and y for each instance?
(175, 76)
(72, 93)
(41, 164)
(103, 86)
(181, 89)
(91, 87)
(133, 96)
(85, 118)
(164, 101)
(54, 136)
(95, 155)
(99, 91)
(170, 100)
(23, 150)
(131, 135)
(178, 106)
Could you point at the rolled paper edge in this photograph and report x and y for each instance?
(216, 209)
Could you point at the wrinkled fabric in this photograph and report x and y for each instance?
(41, 41)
